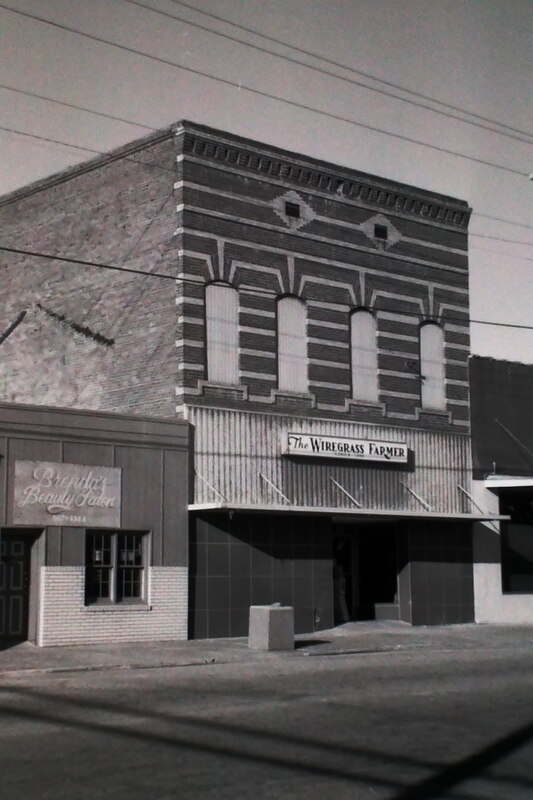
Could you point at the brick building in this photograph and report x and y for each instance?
(310, 321)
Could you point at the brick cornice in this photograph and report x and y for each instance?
(297, 170)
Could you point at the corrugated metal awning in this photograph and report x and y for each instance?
(342, 513)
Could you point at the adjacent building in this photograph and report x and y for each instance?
(502, 440)
(93, 526)
(309, 321)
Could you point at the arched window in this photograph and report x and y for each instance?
(222, 333)
(432, 390)
(364, 356)
(292, 345)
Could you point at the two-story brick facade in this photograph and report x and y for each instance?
(310, 321)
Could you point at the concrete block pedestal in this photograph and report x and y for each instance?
(271, 628)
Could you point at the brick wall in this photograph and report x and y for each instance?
(88, 337)
(232, 194)
(64, 619)
(206, 206)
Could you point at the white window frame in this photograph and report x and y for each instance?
(222, 333)
(364, 355)
(432, 367)
(292, 352)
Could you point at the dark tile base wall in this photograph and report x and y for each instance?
(441, 573)
(257, 560)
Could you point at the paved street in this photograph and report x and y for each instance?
(429, 719)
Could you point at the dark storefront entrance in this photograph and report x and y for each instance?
(15, 568)
(366, 566)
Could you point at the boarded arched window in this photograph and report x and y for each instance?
(432, 389)
(364, 356)
(292, 345)
(222, 333)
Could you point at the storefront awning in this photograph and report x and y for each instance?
(495, 482)
(341, 513)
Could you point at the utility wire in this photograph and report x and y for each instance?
(338, 64)
(168, 169)
(86, 149)
(100, 152)
(160, 166)
(261, 93)
(499, 239)
(77, 108)
(326, 72)
(503, 219)
(500, 253)
(255, 290)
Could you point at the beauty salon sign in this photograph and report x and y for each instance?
(47, 493)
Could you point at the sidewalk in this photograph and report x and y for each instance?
(351, 638)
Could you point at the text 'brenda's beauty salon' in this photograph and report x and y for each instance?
(66, 493)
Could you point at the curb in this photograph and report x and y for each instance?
(105, 668)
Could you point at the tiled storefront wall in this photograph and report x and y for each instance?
(65, 619)
(258, 560)
(440, 573)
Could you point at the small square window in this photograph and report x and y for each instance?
(115, 565)
(381, 232)
(292, 210)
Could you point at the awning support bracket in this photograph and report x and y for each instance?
(417, 497)
(273, 486)
(343, 490)
(476, 505)
(210, 485)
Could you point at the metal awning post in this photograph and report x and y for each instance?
(479, 508)
(210, 485)
(343, 490)
(417, 497)
(273, 486)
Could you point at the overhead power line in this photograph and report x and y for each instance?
(261, 93)
(503, 219)
(255, 290)
(77, 108)
(326, 72)
(499, 253)
(262, 35)
(168, 169)
(91, 150)
(499, 239)
(49, 140)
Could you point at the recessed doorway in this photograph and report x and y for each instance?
(366, 564)
(15, 569)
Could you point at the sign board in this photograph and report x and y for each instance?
(47, 493)
(316, 446)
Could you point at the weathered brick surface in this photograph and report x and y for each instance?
(120, 213)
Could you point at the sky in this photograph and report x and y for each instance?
(457, 123)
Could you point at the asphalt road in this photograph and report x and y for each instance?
(402, 725)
